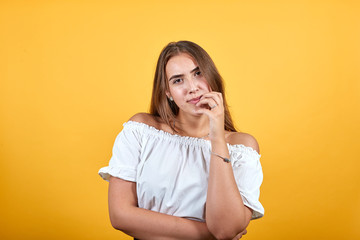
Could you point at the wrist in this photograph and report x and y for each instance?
(219, 146)
(217, 136)
(217, 141)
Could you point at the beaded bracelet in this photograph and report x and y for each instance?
(225, 159)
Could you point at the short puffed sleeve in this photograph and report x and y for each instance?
(249, 176)
(125, 155)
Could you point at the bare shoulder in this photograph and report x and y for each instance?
(146, 118)
(235, 138)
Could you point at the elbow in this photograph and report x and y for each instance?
(116, 225)
(225, 235)
(226, 231)
(117, 222)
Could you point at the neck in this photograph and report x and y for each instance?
(192, 126)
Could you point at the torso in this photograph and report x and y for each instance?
(172, 170)
(232, 138)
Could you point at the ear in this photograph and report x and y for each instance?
(167, 94)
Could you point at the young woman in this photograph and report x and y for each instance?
(183, 171)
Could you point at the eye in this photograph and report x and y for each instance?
(177, 80)
(198, 73)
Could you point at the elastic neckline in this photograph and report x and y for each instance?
(200, 141)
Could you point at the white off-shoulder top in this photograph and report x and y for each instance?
(171, 171)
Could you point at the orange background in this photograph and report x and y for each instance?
(72, 72)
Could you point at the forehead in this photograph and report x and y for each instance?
(180, 64)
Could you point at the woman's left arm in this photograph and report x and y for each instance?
(226, 215)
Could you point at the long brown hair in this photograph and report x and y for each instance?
(167, 110)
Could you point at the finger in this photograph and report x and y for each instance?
(241, 234)
(204, 110)
(217, 97)
(237, 237)
(208, 102)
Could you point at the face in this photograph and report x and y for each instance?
(186, 82)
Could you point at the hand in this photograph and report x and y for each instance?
(240, 235)
(211, 104)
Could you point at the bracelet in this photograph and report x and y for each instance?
(225, 159)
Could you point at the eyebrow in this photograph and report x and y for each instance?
(181, 75)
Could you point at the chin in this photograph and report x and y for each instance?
(197, 114)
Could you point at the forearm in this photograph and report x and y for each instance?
(146, 224)
(225, 211)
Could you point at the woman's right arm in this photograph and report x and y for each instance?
(140, 223)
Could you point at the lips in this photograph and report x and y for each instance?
(194, 100)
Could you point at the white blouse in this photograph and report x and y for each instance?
(171, 171)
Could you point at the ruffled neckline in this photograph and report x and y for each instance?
(184, 139)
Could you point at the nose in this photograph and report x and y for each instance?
(192, 85)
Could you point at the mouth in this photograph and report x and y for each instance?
(194, 100)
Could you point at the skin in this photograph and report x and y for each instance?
(226, 215)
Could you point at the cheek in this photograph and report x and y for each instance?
(177, 93)
(206, 85)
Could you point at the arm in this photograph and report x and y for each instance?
(146, 224)
(226, 215)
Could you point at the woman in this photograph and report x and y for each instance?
(182, 171)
